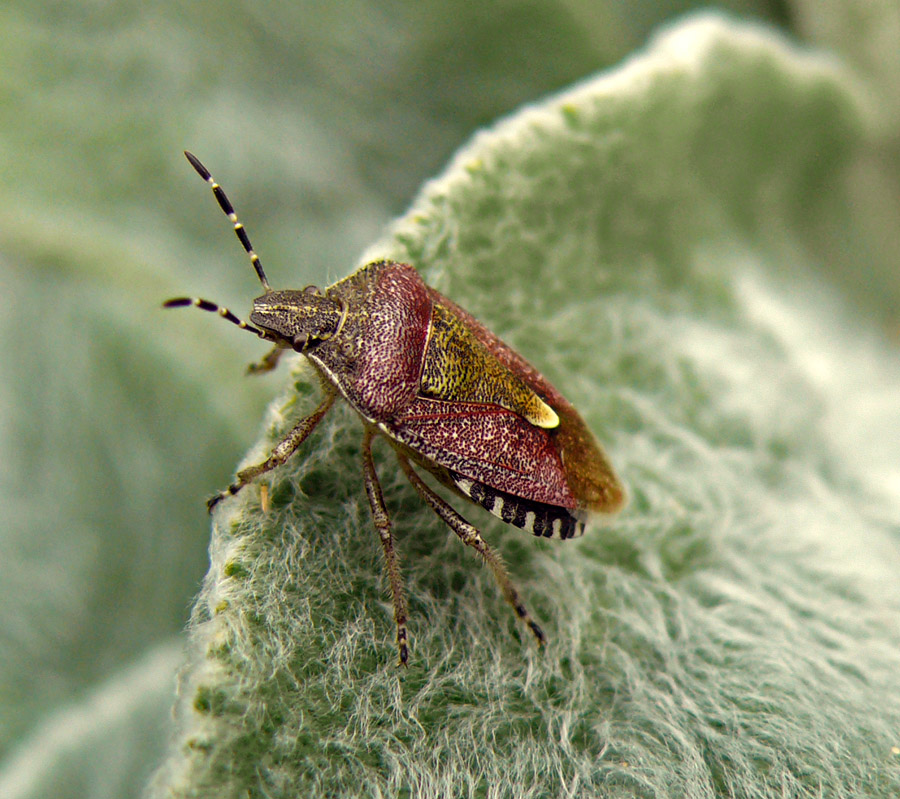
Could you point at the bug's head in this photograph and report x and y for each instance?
(298, 319)
(290, 319)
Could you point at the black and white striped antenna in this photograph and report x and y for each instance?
(228, 208)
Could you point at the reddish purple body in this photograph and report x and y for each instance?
(489, 452)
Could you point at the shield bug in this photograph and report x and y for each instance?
(448, 395)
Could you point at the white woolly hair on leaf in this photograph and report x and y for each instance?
(733, 632)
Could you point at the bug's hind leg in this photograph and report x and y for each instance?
(472, 538)
(282, 451)
(391, 563)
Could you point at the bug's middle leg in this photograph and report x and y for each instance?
(471, 537)
(383, 525)
(282, 451)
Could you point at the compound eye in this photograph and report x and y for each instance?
(300, 342)
(312, 290)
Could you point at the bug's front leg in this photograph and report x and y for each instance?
(472, 538)
(383, 525)
(267, 363)
(282, 451)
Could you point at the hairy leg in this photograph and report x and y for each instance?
(282, 451)
(472, 538)
(383, 525)
(267, 363)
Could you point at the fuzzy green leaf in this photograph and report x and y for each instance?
(652, 241)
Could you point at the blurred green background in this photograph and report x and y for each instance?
(118, 419)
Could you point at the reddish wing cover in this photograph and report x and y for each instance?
(587, 471)
(486, 443)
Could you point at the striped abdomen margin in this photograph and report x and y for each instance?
(548, 521)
